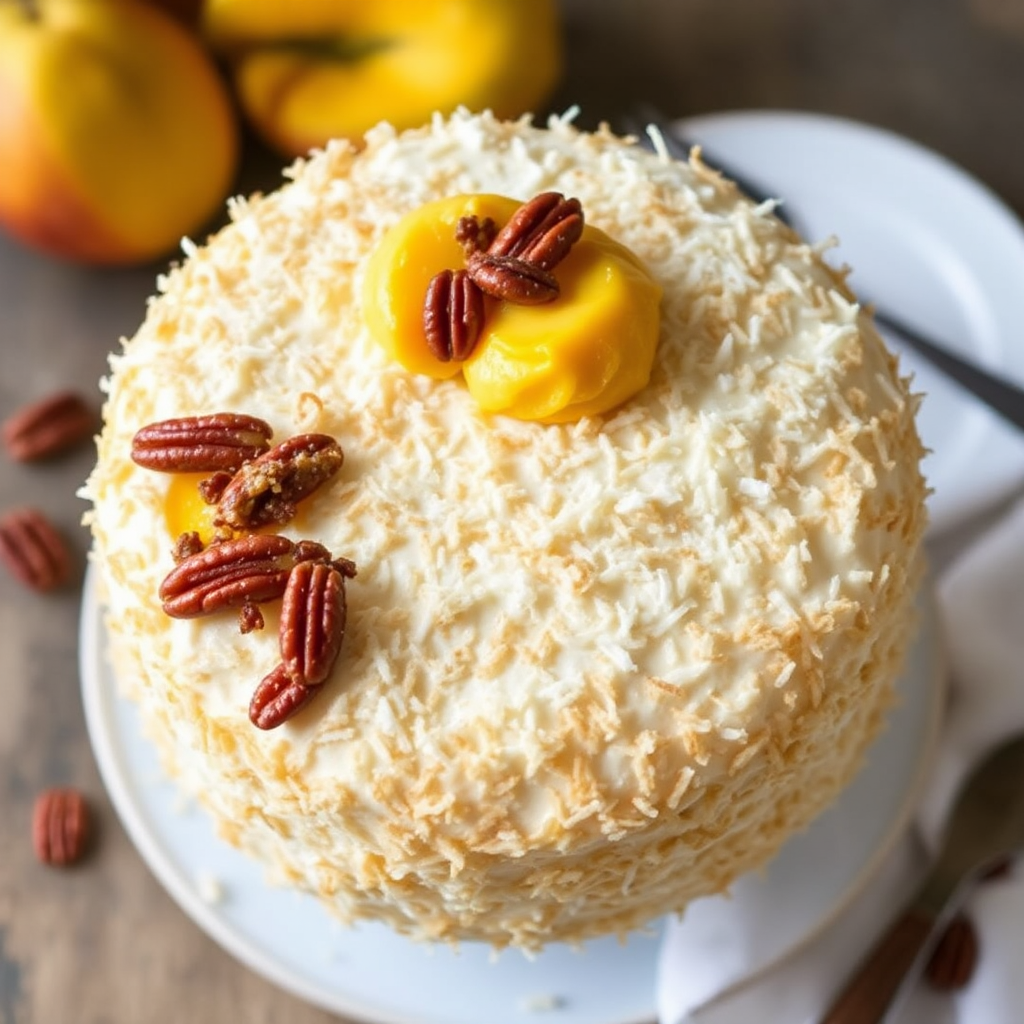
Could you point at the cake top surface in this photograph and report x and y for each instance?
(556, 630)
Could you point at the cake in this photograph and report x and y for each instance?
(592, 669)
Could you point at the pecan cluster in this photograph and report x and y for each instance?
(254, 485)
(514, 264)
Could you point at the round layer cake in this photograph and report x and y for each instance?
(591, 670)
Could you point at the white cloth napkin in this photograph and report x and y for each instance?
(701, 966)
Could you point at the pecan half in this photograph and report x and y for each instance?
(512, 279)
(60, 826)
(312, 622)
(230, 574)
(277, 698)
(475, 235)
(453, 315)
(220, 441)
(541, 231)
(955, 957)
(48, 426)
(33, 550)
(267, 490)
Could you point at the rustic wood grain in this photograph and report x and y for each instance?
(1001, 15)
(102, 943)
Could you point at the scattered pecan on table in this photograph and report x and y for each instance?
(955, 957)
(48, 426)
(952, 963)
(33, 550)
(60, 826)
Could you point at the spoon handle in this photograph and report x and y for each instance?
(999, 394)
(869, 994)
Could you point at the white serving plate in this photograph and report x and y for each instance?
(372, 974)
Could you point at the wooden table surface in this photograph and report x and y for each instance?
(103, 943)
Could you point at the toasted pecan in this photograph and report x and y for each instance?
(199, 444)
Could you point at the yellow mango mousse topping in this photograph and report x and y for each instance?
(185, 509)
(583, 353)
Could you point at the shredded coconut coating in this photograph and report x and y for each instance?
(592, 671)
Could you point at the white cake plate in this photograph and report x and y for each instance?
(372, 974)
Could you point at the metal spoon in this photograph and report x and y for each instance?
(998, 393)
(986, 825)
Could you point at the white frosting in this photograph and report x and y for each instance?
(591, 670)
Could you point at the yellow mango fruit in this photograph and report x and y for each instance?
(311, 70)
(117, 136)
